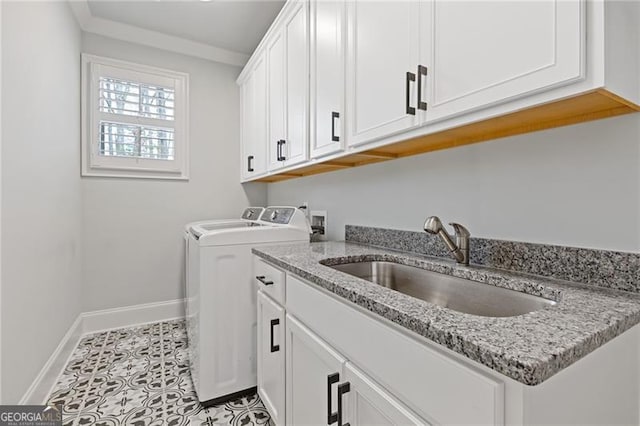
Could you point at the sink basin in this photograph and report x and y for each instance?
(459, 294)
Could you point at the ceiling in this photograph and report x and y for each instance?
(235, 25)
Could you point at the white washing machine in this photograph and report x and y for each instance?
(221, 297)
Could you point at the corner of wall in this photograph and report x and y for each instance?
(48, 193)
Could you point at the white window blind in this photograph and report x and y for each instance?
(136, 99)
(136, 119)
(126, 140)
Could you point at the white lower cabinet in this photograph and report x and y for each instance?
(303, 379)
(271, 374)
(336, 364)
(324, 389)
(430, 383)
(314, 372)
(367, 403)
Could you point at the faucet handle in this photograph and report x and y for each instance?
(461, 231)
(462, 240)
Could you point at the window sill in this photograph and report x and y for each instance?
(133, 175)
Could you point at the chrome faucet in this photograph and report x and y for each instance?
(460, 249)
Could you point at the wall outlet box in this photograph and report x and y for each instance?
(319, 225)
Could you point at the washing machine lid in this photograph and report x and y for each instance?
(206, 227)
(249, 217)
(252, 235)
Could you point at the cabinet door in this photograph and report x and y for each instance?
(313, 372)
(247, 155)
(327, 76)
(368, 404)
(253, 98)
(382, 48)
(295, 147)
(271, 360)
(489, 52)
(259, 117)
(276, 94)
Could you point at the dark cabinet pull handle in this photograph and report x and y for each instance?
(274, 348)
(262, 279)
(410, 77)
(422, 72)
(334, 115)
(278, 156)
(249, 160)
(342, 389)
(331, 416)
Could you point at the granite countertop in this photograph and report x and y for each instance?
(529, 348)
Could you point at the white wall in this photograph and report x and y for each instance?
(133, 228)
(577, 185)
(0, 202)
(41, 206)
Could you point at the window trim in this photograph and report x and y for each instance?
(94, 164)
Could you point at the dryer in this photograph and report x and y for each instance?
(221, 298)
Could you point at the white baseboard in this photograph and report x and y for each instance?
(92, 322)
(46, 379)
(128, 316)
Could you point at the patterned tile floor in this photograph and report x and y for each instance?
(140, 376)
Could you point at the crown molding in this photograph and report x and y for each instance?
(133, 34)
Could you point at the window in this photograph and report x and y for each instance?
(134, 120)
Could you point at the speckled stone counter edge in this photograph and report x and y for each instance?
(586, 318)
(610, 269)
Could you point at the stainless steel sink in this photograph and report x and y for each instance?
(459, 294)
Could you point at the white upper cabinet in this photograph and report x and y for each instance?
(405, 77)
(247, 157)
(437, 59)
(328, 23)
(483, 53)
(275, 52)
(382, 57)
(259, 116)
(287, 54)
(253, 99)
(296, 147)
